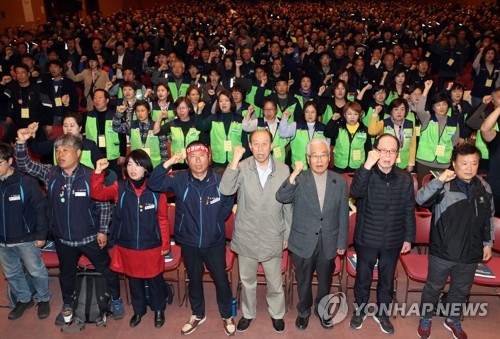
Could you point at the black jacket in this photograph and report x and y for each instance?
(385, 208)
(462, 218)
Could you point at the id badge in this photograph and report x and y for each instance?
(102, 141)
(25, 113)
(58, 101)
(440, 149)
(489, 82)
(277, 152)
(450, 62)
(147, 150)
(428, 54)
(417, 131)
(228, 147)
(356, 155)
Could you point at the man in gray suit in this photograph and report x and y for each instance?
(262, 225)
(319, 228)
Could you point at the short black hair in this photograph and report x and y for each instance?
(75, 115)
(141, 158)
(120, 43)
(6, 151)
(383, 135)
(23, 66)
(261, 130)
(106, 93)
(465, 149)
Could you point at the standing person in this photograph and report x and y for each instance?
(138, 240)
(24, 229)
(319, 228)
(462, 233)
(200, 211)
(262, 225)
(385, 226)
(75, 233)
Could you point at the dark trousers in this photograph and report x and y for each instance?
(157, 290)
(461, 277)
(366, 259)
(68, 260)
(304, 268)
(214, 259)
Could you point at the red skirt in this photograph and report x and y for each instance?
(138, 263)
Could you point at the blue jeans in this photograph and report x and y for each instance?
(10, 258)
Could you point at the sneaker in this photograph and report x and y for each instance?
(456, 328)
(19, 309)
(385, 324)
(357, 321)
(229, 326)
(278, 325)
(192, 324)
(60, 319)
(424, 328)
(243, 324)
(117, 308)
(43, 309)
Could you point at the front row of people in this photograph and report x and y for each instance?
(315, 232)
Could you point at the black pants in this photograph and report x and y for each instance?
(304, 268)
(157, 290)
(366, 259)
(215, 260)
(461, 278)
(68, 260)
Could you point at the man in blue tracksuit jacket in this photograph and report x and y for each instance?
(79, 224)
(23, 230)
(200, 212)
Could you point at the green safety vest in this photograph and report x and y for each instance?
(279, 144)
(300, 98)
(152, 143)
(391, 96)
(404, 151)
(298, 145)
(250, 98)
(430, 145)
(156, 113)
(218, 137)
(481, 145)
(111, 137)
(179, 142)
(347, 152)
(176, 93)
(291, 109)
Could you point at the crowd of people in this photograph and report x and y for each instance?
(272, 102)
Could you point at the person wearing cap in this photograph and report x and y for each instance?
(93, 78)
(200, 212)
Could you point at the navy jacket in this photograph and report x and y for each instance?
(22, 210)
(135, 219)
(74, 215)
(200, 208)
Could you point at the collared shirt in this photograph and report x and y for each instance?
(43, 172)
(264, 173)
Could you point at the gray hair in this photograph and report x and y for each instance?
(317, 141)
(69, 140)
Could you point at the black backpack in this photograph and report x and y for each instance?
(91, 301)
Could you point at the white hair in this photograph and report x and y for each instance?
(317, 141)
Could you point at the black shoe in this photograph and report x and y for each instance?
(325, 323)
(159, 318)
(19, 309)
(170, 296)
(43, 309)
(301, 323)
(243, 324)
(385, 324)
(357, 321)
(135, 320)
(278, 324)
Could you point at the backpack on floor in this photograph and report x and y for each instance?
(91, 301)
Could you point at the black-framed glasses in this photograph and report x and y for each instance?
(387, 151)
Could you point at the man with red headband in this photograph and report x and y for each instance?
(200, 212)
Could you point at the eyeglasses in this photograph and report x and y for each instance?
(387, 151)
(316, 157)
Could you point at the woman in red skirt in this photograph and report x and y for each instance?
(140, 231)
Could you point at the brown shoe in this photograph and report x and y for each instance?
(192, 324)
(229, 326)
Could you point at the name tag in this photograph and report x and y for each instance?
(14, 198)
(25, 113)
(228, 146)
(440, 149)
(356, 155)
(277, 152)
(489, 82)
(102, 141)
(428, 54)
(450, 62)
(148, 207)
(214, 201)
(58, 101)
(80, 194)
(417, 131)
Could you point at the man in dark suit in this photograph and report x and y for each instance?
(121, 60)
(320, 226)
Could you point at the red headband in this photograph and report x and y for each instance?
(195, 148)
